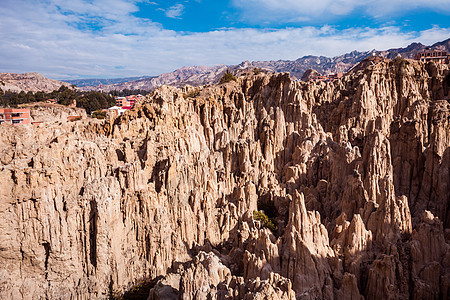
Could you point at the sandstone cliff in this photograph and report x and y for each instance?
(354, 173)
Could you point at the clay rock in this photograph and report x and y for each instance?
(205, 272)
(349, 288)
(94, 207)
(428, 250)
(207, 278)
(352, 242)
(305, 253)
(382, 279)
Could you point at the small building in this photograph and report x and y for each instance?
(116, 110)
(122, 102)
(329, 78)
(336, 76)
(128, 101)
(437, 56)
(15, 116)
(51, 101)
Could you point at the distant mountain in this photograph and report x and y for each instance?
(29, 82)
(201, 75)
(96, 82)
(196, 75)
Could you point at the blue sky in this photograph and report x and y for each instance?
(70, 39)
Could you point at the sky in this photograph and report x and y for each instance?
(73, 39)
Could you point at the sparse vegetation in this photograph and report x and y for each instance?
(127, 92)
(192, 94)
(266, 221)
(90, 101)
(256, 71)
(99, 114)
(399, 60)
(227, 77)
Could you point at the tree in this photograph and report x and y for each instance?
(92, 101)
(99, 114)
(227, 77)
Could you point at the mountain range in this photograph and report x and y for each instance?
(201, 75)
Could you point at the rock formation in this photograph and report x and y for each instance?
(351, 177)
(49, 112)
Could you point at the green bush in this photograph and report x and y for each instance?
(91, 101)
(227, 77)
(99, 114)
(266, 221)
(192, 94)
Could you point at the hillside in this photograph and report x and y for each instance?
(97, 81)
(260, 188)
(29, 82)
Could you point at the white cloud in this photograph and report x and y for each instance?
(311, 10)
(45, 39)
(175, 11)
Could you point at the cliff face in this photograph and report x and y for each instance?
(354, 174)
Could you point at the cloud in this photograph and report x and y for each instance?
(175, 11)
(55, 41)
(324, 10)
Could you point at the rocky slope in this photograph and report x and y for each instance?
(354, 173)
(195, 75)
(53, 113)
(29, 82)
(202, 75)
(111, 81)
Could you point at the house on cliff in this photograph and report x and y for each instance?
(15, 116)
(437, 56)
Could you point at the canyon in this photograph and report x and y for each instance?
(352, 174)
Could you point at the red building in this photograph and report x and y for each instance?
(15, 116)
(128, 101)
(122, 102)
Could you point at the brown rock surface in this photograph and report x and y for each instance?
(354, 174)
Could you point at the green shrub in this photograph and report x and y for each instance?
(192, 94)
(99, 114)
(266, 221)
(227, 77)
